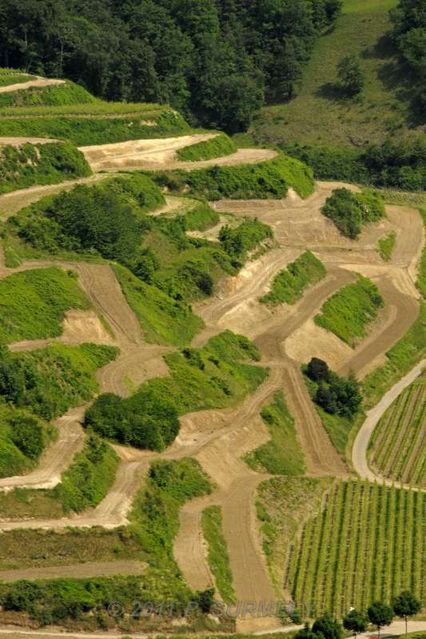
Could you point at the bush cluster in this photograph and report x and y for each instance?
(351, 211)
(239, 241)
(288, 286)
(336, 395)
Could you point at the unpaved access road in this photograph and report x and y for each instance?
(360, 447)
(83, 571)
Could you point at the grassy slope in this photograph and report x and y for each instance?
(218, 557)
(33, 303)
(216, 147)
(315, 116)
(348, 312)
(284, 503)
(289, 285)
(283, 454)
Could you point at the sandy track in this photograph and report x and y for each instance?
(56, 458)
(360, 447)
(81, 571)
(35, 83)
(160, 153)
(19, 141)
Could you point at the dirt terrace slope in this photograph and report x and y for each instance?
(35, 83)
(158, 154)
(83, 571)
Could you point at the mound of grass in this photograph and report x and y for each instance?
(351, 211)
(240, 240)
(31, 164)
(318, 115)
(49, 381)
(218, 557)
(216, 147)
(163, 319)
(348, 312)
(98, 123)
(215, 376)
(60, 94)
(22, 440)
(289, 285)
(33, 303)
(200, 218)
(267, 180)
(386, 246)
(283, 454)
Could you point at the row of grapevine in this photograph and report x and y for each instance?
(398, 445)
(368, 543)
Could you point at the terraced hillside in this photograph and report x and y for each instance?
(199, 386)
(398, 446)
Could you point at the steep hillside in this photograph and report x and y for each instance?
(318, 116)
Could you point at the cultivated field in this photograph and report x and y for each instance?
(398, 446)
(367, 544)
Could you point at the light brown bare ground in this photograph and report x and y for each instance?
(157, 154)
(76, 571)
(33, 83)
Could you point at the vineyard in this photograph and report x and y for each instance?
(398, 445)
(367, 544)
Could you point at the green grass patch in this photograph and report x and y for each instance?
(386, 246)
(243, 239)
(216, 147)
(97, 123)
(421, 277)
(51, 380)
(349, 312)
(200, 218)
(54, 95)
(29, 164)
(266, 180)
(12, 76)
(33, 303)
(289, 285)
(163, 319)
(283, 454)
(217, 556)
(338, 428)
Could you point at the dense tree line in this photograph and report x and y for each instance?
(216, 59)
(409, 19)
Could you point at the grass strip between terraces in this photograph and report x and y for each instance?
(348, 312)
(217, 555)
(289, 285)
(267, 180)
(60, 94)
(386, 246)
(33, 303)
(219, 146)
(283, 454)
(29, 164)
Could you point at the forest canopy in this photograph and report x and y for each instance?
(217, 61)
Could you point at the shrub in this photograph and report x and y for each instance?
(336, 395)
(238, 241)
